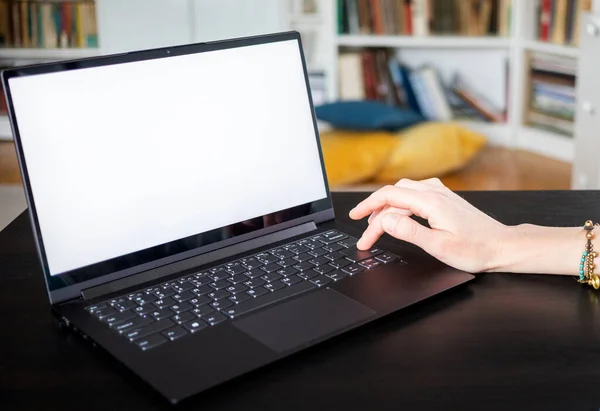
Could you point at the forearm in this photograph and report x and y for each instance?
(535, 249)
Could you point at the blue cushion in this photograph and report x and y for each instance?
(367, 115)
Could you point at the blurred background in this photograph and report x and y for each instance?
(484, 94)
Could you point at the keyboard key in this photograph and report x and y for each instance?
(174, 333)
(135, 322)
(319, 261)
(119, 317)
(183, 317)
(321, 281)
(205, 289)
(214, 319)
(221, 304)
(151, 341)
(333, 247)
(287, 271)
(318, 252)
(263, 301)
(185, 286)
(386, 258)
(334, 256)
(125, 305)
(219, 275)
(143, 310)
(308, 274)
(253, 283)
(298, 249)
(257, 292)
(186, 279)
(251, 263)
(333, 239)
(236, 268)
(219, 295)
(194, 326)
(303, 257)
(330, 233)
(353, 269)
(202, 310)
(165, 292)
(370, 263)
(96, 307)
(291, 280)
(236, 289)
(266, 258)
(199, 282)
(184, 296)
(166, 302)
(337, 275)
(275, 285)
(220, 284)
(145, 299)
(148, 329)
(282, 253)
(270, 277)
(313, 243)
(236, 279)
(269, 268)
(348, 242)
(324, 269)
(303, 266)
(257, 272)
(355, 255)
(162, 313)
(287, 262)
(340, 263)
(181, 307)
(240, 298)
(203, 299)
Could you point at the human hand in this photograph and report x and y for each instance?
(460, 235)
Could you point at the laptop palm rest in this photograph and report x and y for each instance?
(304, 320)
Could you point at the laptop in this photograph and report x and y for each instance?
(182, 215)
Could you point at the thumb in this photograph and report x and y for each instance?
(405, 228)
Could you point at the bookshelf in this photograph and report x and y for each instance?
(517, 45)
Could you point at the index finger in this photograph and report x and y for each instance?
(413, 200)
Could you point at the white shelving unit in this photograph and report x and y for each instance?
(520, 42)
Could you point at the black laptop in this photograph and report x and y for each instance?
(182, 214)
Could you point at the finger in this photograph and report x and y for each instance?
(406, 229)
(418, 202)
(422, 185)
(373, 215)
(373, 231)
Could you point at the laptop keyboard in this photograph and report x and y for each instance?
(178, 308)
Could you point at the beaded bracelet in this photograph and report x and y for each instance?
(586, 265)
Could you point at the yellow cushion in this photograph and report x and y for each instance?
(352, 156)
(431, 150)
(423, 151)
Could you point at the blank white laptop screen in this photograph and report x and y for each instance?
(126, 157)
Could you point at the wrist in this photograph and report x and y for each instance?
(528, 248)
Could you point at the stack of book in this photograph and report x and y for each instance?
(424, 17)
(48, 24)
(376, 74)
(559, 20)
(552, 103)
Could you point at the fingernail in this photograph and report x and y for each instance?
(389, 222)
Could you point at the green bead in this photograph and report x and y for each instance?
(582, 259)
(585, 253)
(580, 265)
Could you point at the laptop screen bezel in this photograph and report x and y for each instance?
(69, 285)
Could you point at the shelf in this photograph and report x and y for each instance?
(5, 132)
(46, 54)
(458, 42)
(546, 143)
(542, 47)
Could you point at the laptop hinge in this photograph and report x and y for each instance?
(196, 261)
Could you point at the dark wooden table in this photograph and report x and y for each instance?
(504, 342)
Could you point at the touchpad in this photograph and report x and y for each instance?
(304, 320)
